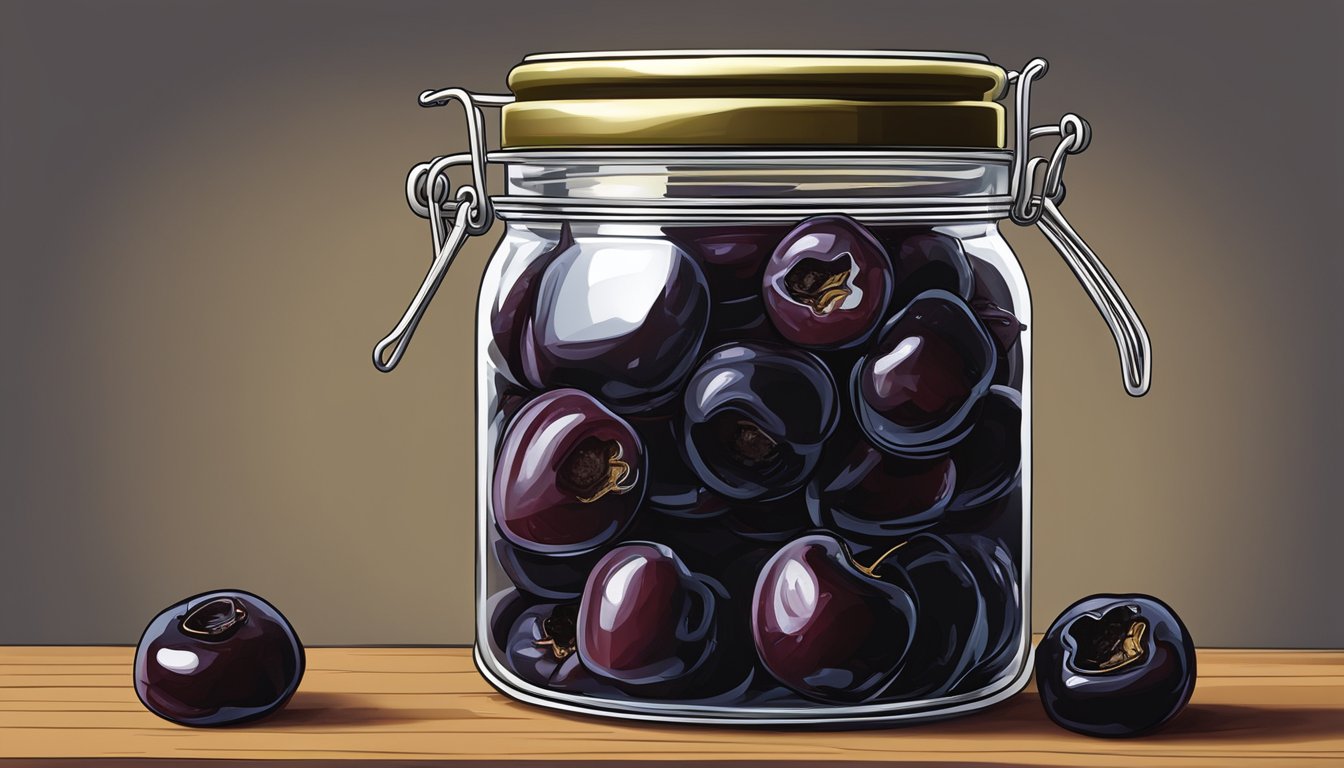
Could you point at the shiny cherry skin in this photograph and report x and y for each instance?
(741, 321)
(926, 261)
(704, 545)
(916, 390)
(1001, 324)
(868, 494)
(992, 302)
(732, 258)
(756, 418)
(770, 522)
(712, 549)
(218, 658)
(622, 319)
(570, 475)
(995, 571)
(541, 648)
(508, 401)
(989, 458)
(646, 623)
(520, 277)
(953, 626)
(1115, 665)
(546, 576)
(827, 284)
(673, 488)
(828, 628)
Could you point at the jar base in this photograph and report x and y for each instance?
(838, 717)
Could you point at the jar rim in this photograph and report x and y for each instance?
(730, 155)
(764, 52)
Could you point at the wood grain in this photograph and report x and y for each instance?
(415, 706)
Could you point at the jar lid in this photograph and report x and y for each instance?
(756, 98)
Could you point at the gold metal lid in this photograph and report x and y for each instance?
(756, 98)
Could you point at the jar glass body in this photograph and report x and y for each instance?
(626, 297)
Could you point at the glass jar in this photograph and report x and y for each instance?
(754, 381)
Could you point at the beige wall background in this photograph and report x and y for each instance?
(203, 233)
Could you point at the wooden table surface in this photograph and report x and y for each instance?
(65, 706)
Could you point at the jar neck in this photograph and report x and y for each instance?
(728, 174)
(760, 186)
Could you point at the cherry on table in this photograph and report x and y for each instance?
(218, 658)
(1115, 665)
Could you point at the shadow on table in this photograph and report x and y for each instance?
(1228, 723)
(319, 709)
(1020, 716)
(1224, 723)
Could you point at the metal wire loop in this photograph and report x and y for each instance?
(482, 214)
(1041, 208)
(1020, 183)
(400, 336)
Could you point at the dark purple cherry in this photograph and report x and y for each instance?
(673, 488)
(993, 304)
(1001, 324)
(620, 318)
(926, 261)
(1115, 665)
(995, 571)
(508, 400)
(867, 494)
(828, 628)
(769, 522)
(547, 576)
(517, 295)
(1005, 328)
(917, 388)
(709, 548)
(732, 257)
(989, 458)
(570, 475)
(744, 320)
(953, 629)
(645, 621)
(756, 416)
(827, 284)
(702, 544)
(991, 287)
(542, 648)
(218, 658)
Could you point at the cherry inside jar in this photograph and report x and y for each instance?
(754, 380)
